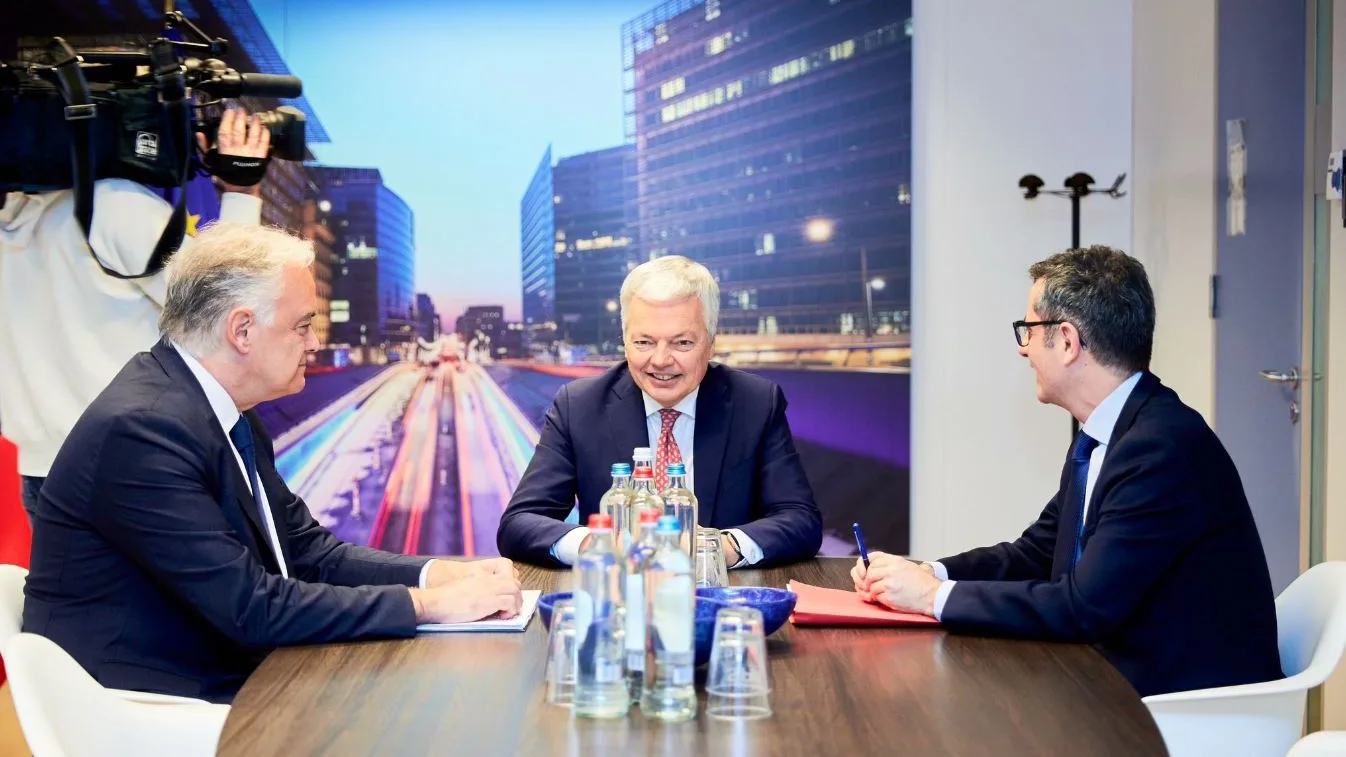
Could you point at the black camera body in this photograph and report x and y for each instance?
(74, 118)
(132, 137)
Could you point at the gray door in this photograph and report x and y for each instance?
(1258, 292)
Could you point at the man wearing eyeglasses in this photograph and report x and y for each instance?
(1148, 550)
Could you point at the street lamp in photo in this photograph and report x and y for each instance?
(611, 306)
(821, 230)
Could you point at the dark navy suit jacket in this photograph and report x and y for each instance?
(1172, 584)
(149, 565)
(747, 472)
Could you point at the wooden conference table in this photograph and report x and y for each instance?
(839, 691)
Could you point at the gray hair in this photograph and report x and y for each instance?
(1105, 293)
(226, 266)
(670, 278)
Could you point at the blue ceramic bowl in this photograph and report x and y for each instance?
(546, 603)
(774, 604)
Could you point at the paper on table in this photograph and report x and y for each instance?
(816, 606)
(517, 623)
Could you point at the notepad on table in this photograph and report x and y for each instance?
(817, 606)
(517, 623)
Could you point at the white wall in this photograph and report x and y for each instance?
(1173, 183)
(999, 90)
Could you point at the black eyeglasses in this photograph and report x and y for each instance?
(1022, 329)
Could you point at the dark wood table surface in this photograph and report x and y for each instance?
(835, 691)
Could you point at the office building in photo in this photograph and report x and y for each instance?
(772, 144)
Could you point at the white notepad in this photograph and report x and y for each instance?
(517, 623)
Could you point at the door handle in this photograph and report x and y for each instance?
(1290, 377)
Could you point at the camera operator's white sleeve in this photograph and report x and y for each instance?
(129, 218)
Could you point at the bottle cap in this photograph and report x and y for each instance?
(600, 521)
(621, 469)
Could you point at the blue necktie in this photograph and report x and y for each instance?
(1079, 476)
(241, 436)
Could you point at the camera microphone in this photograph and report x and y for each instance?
(230, 83)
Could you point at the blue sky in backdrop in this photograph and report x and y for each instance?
(455, 102)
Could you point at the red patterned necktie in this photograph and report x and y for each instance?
(667, 452)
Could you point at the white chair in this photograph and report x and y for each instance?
(12, 579)
(65, 713)
(1265, 719)
(1320, 744)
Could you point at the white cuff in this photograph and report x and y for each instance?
(425, 574)
(567, 548)
(749, 549)
(941, 572)
(942, 596)
(240, 208)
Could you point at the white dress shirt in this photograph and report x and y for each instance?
(1099, 425)
(567, 548)
(226, 412)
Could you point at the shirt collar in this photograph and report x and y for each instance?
(687, 407)
(220, 401)
(1104, 417)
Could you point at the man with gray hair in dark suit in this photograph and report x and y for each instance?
(168, 554)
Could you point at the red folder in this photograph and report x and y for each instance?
(817, 606)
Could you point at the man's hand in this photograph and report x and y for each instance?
(468, 599)
(241, 137)
(896, 582)
(446, 571)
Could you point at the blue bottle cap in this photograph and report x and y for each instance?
(621, 469)
(668, 524)
(677, 469)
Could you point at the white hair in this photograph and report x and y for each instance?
(671, 278)
(226, 266)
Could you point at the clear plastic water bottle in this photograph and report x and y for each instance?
(643, 458)
(670, 658)
(600, 681)
(637, 558)
(616, 502)
(680, 502)
(643, 495)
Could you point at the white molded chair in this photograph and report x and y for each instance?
(12, 579)
(1320, 744)
(64, 712)
(1265, 719)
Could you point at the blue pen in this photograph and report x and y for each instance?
(860, 541)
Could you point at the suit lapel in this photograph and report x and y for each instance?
(229, 470)
(277, 494)
(243, 499)
(714, 410)
(626, 421)
(1145, 388)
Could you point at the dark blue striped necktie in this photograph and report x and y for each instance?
(1079, 482)
(241, 436)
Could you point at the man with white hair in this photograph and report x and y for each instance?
(726, 426)
(168, 554)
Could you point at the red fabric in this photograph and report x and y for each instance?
(15, 536)
(668, 451)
